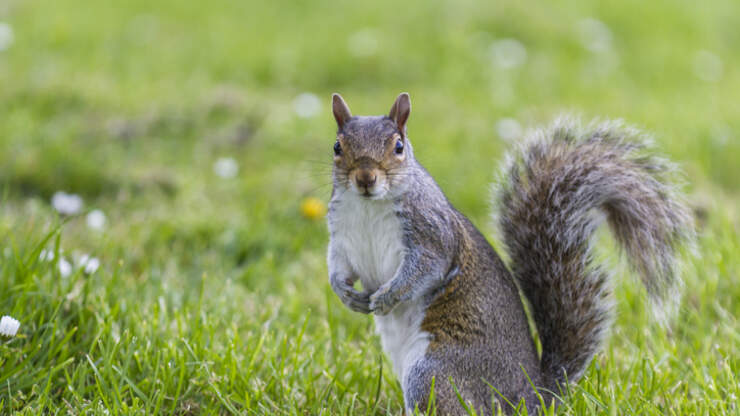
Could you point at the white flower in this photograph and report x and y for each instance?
(9, 326)
(46, 255)
(708, 66)
(508, 129)
(307, 105)
(90, 264)
(96, 219)
(363, 43)
(226, 167)
(595, 35)
(6, 36)
(65, 269)
(67, 204)
(508, 53)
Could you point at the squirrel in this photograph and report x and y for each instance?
(447, 309)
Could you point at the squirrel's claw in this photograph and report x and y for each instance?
(356, 301)
(383, 300)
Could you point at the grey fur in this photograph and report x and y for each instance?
(553, 184)
(472, 310)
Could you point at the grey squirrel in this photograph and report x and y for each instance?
(447, 309)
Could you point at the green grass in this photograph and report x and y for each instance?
(212, 295)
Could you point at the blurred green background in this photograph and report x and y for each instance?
(194, 131)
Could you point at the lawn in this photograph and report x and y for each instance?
(185, 136)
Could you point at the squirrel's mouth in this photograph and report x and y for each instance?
(372, 195)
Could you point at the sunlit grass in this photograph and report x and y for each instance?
(198, 138)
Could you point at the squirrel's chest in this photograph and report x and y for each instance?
(369, 234)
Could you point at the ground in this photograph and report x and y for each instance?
(198, 130)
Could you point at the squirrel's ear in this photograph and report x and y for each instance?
(400, 111)
(340, 109)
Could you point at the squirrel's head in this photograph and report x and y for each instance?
(372, 153)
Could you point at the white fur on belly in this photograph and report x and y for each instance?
(368, 233)
(402, 338)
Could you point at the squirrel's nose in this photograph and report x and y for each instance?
(365, 179)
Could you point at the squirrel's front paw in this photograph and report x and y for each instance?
(357, 301)
(383, 300)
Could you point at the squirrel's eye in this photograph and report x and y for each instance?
(337, 148)
(399, 147)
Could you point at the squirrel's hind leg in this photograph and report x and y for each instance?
(424, 382)
(430, 379)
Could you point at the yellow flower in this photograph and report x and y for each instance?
(313, 208)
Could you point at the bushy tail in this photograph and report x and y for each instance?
(560, 185)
